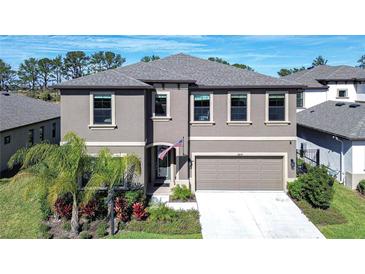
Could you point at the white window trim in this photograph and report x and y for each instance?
(211, 109)
(338, 93)
(168, 106)
(248, 109)
(91, 114)
(286, 121)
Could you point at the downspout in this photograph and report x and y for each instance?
(341, 159)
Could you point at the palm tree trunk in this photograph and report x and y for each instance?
(110, 216)
(75, 217)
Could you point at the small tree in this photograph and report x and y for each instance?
(75, 64)
(28, 73)
(110, 172)
(320, 60)
(243, 66)
(6, 75)
(45, 67)
(361, 62)
(218, 60)
(57, 170)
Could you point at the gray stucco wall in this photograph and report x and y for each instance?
(258, 127)
(330, 149)
(130, 116)
(19, 138)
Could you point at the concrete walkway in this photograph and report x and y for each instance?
(252, 215)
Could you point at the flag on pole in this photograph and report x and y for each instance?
(163, 153)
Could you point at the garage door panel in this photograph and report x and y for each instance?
(239, 173)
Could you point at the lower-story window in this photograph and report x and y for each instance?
(30, 137)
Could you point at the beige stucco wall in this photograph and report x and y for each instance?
(19, 138)
(130, 115)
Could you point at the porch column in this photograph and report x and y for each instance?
(153, 164)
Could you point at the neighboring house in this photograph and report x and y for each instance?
(238, 126)
(25, 121)
(337, 129)
(324, 83)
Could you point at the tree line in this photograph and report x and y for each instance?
(39, 74)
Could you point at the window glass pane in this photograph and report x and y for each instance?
(300, 99)
(7, 140)
(276, 107)
(202, 107)
(160, 105)
(238, 107)
(54, 130)
(342, 93)
(41, 133)
(102, 109)
(30, 137)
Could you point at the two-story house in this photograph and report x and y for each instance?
(238, 127)
(329, 83)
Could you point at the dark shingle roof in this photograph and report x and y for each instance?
(178, 68)
(149, 72)
(212, 74)
(314, 76)
(344, 121)
(19, 110)
(112, 78)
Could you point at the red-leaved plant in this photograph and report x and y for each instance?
(63, 209)
(121, 209)
(89, 210)
(139, 212)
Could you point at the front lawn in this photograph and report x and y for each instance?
(20, 218)
(345, 219)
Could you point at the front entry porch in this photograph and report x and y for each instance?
(162, 173)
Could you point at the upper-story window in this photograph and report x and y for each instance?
(161, 104)
(30, 137)
(7, 140)
(41, 133)
(300, 99)
(342, 93)
(53, 130)
(277, 107)
(202, 105)
(102, 109)
(238, 107)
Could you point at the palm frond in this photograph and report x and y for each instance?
(18, 157)
(95, 183)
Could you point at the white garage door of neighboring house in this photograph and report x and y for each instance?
(239, 173)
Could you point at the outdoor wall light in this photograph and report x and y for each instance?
(292, 163)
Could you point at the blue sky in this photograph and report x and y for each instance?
(266, 54)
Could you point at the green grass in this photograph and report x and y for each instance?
(345, 219)
(20, 217)
(145, 235)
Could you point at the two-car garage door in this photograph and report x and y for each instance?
(239, 173)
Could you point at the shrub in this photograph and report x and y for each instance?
(139, 212)
(63, 208)
(361, 187)
(89, 210)
(101, 231)
(122, 210)
(44, 230)
(85, 235)
(85, 226)
(44, 206)
(161, 212)
(295, 189)
(185, 222)
(133, 196)
(181, 192)
(318, 187)
(66, 226)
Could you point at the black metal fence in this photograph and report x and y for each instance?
(307, 156)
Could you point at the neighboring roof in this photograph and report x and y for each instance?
(314, 77)
(179, 68)
(343, 121)
(19, 110)
(112, 78)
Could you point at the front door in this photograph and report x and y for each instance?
(163, 166)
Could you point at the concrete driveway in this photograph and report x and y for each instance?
(268, 215)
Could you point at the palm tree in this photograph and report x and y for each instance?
(56, 169)
(110, 172)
